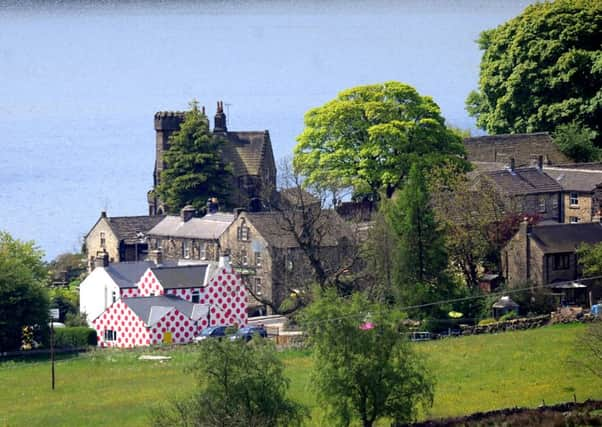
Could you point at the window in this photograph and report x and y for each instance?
(110, 335)
(258, 259)
(186, 249)
(196, 295)
(555, 203)
(114, 296)
(574, 198)
(542, 204)
(244, 257)
(574, 219)
(258, 286)
(243, 233)
(103, 240)
(203, 251)
(289, 265)
(561, 261)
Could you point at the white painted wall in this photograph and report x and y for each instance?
(96, 294)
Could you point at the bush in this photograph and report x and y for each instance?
(509, 316)
(74, 337)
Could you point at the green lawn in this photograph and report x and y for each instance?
(472, 374)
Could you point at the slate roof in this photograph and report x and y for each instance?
(152, 309)
(273, 226)
(175, 277)
(126, 228)
(522, 181)
(126, 274)
(576, 179)
(246, 151)
(209, 227)
(566, 237)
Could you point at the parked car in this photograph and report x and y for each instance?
(249, 332)
(218, 331)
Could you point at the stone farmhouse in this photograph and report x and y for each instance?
(265, 249)
(120, 238)
(524, 148)
(186, 237)
(546, 254)
(249, 153)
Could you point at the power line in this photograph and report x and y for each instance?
(447, 301)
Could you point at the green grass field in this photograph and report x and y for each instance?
(472, 373)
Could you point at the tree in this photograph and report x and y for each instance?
(367, 138)
(577, 142)
(239, 384)
(195, 170)
(421, 260)
(541, 69)
(23, 300)
(363, 365)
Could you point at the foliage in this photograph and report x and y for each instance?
(487, 321)
(511, 315)
(420, 259)
(541, 69)
(368, 136)
(590, 259)
(66, 299)
(74, 337)
(23, 300)
(67, 267)
(194, 169)
(238, 385)
(365, 372)
(577, 142)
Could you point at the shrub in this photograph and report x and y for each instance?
(74, 337)
(509, 316)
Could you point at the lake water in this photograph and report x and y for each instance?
(80, 83)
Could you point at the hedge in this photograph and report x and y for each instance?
(74, 337)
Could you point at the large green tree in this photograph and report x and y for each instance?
(542, 69)
(364, 368)
(368, 136)
(239, 385)
(420, 259)
(23, 300)
(195, 170)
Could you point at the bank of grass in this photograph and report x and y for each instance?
(475, 373)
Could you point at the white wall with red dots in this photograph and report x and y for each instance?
(224, 293)
(131, 330)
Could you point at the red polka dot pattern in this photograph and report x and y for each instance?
(224, 292)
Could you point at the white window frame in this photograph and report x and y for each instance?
(186, 249)
(196, 295)
(258, 259)
(258, 285)
(103, 239)
(542, 204)
(110, 335)
(574, 198)
(574, 220)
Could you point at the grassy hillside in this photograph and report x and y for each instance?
(472, 373)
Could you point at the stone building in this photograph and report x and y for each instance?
(186, 237)
(546, 254)
(581, 192)
(524, 148)
(119, 239)
(248, 152)
(267, 253)
(528, 190)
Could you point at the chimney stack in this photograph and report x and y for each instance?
(220, 119)
(156, 256)
(540, 162)
(102, 259)
(187, 212)
(224, 260)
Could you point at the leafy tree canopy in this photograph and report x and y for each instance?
(542, 69)
(23, 300)
(368, 136)
(239, 384)
(577, 142)
(364, 367)
(195, 170)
